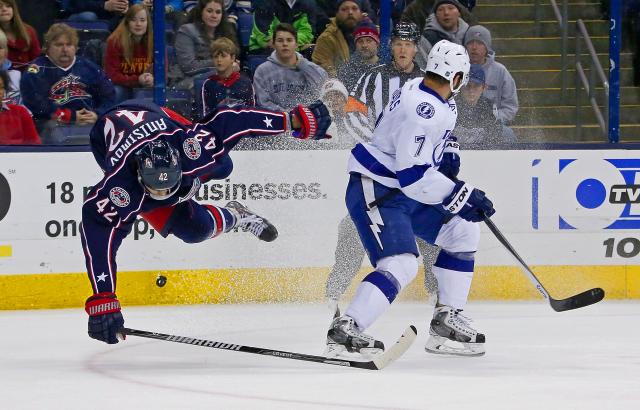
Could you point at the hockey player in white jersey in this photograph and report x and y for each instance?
(404, 184)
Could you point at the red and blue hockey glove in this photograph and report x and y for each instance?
(105, 318)
(450, 164)
(468, 202)
(314, 121)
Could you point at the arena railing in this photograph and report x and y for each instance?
(589, 85)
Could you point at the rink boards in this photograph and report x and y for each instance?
(572, 215)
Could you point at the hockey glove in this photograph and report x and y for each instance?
(450, 164)
(105, 319)
(314, 120)
(468, 202)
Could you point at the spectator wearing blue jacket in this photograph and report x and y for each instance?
(60, 88)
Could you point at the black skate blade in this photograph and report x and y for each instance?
(580, 300)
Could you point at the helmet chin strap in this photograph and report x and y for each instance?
(158, 197)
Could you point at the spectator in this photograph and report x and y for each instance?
(419, 10)
(92, 10)
(375, 88)
(500, 86)
(193, 40)
(287, 78)
(476, 123)
(62, 89)
(16, 125)
(336, 44)
(174, 11)
(327, 8)
(227, 86)
(129, 56)
(40, 14)
(367, 39)
(21, 38)
(444, 23)
(301, 14)
(12, 84)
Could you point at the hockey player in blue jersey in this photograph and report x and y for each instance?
(404, 184)
(154, 161)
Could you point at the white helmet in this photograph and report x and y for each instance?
(448, 59)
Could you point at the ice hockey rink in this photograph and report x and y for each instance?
(536, 359)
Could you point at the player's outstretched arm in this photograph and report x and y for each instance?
(310, 122)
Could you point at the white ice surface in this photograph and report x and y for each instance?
(536, 359)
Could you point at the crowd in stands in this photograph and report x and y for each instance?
(268, 53)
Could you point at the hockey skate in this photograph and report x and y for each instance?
(449, 327)
(249, 221)
(344, 339)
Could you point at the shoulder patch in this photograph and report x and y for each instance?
(119, 197)
(425, 110)
(33, 69)
(192, 148)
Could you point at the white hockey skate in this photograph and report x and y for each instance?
(344, 339)
(249, 221)
(449, 329)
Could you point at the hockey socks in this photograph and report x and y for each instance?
(454, 274)
(224, 220)
(374, 295)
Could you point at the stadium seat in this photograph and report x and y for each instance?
(89, 30)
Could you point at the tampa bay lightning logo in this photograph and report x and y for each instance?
(119, 197)
(192, 148)
(425, 110)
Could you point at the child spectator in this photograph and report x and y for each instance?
(16, 125)
(193, 40)
(129, 56)
(227, 87)
(301, 14)
(287, 79)
(22, 39)
(12, 85)
(501, 87)
(61, 88)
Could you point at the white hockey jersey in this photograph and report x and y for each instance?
(408, 143)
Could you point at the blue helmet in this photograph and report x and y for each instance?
(159, 169)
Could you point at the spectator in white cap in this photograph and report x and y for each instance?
(367, 41)
(444, 23)
(500, 85)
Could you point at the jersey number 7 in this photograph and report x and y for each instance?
(420, 139)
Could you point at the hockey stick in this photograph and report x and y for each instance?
(583, 299)
(379, 362)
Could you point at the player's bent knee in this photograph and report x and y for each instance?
(403, 267)
(462, 236)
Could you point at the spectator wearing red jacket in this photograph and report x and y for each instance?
(128, 59)
(22, 38)
(16, 124)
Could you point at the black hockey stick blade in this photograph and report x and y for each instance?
(580, 300)
(379, 362)
(583, 299)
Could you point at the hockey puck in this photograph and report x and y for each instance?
(161, 281)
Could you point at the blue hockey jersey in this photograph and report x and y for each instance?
(51, 91)
(113, 203)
